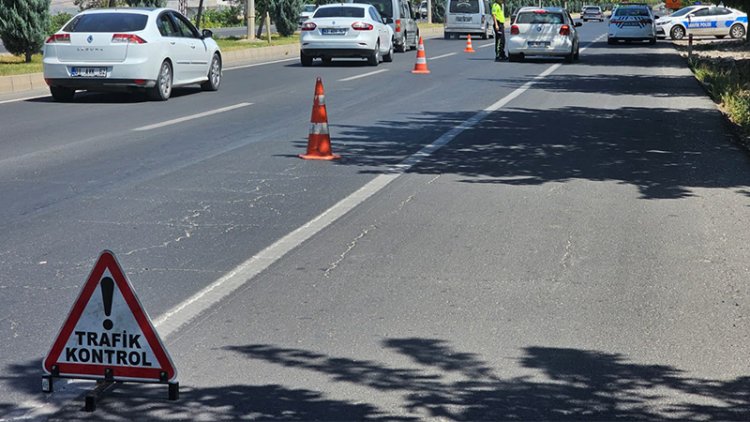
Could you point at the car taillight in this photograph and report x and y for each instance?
(58, 38)
(514, 30)
(362, 26)
(565, 30)
(309, 26)
(483, 19)
(127, 39)
(398, 25)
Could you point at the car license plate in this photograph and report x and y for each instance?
(463, 18)
(88, 72)
(333, 31)
(538, 44)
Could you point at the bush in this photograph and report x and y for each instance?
(222, 18)
(57, 21)
(285, 14)
(737, 105)
(23, 26)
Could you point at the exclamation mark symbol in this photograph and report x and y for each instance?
(108, 289)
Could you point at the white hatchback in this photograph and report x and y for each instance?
(148, 50)
(346, 30)
(548, 31)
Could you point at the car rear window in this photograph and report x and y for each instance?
(107, 22)
(591, 10)
(385, 7)
(538, 17)
(631, 11)
(464, 6)
(340, 12)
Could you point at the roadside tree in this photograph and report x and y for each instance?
(285, 14)
(23, 26)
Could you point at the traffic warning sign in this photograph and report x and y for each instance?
(108, 334)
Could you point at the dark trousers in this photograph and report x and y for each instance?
(500, 42)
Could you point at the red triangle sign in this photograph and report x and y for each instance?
(108, 329)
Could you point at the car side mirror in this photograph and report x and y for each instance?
(656, 17)
(388, 20)
(578, 24)
(207, 33)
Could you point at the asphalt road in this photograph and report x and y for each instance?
(577, 249)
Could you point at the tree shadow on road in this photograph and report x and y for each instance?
(437, 380)
(665, 153)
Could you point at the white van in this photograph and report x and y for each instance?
(401, 18)
(464, 17)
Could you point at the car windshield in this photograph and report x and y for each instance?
(340, 12)
(385, 7)
(107, 22)
(631, 11)
(540, 17)
(464, 6)
(682, 12)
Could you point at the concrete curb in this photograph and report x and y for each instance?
(32, 81)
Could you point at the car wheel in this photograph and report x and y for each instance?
(677, 33)
(401, 48)
(570, 56)
(163, 88)
(484, 34)
(515, 57)
(737, 31)
(305, 59)
(446, 35)
(62, 94)
(388, 57)
(374, 58)
(577, 55)
(652, 41)
(214, 75)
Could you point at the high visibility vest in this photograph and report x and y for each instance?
(498, 13)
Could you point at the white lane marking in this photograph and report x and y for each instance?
(486, 45)
(172, 320)
(175, 318)
(191, 117)
(441, 56)
(364, 75)
(24, 99)
(259, 64)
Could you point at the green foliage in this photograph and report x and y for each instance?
(737, 106)
(23, 25)
(285, 14)
(222, 18)
(91, 4)
(146, 3)
(57, 21)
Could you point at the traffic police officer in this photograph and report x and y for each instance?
(498, 15)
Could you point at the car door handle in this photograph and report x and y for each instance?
(172, 42)
(192, 45)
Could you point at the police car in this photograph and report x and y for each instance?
(703, 20)
(631, 22)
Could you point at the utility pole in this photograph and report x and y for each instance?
(198, 18)
(250, 18)
(429, 11)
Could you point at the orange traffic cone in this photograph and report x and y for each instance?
(319, 142)
(421, 65)
(469, 48)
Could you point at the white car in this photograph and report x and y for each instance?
(307, 12)
(548, 31)
(703, 20)
(130, 50)
(632, 22)
(346, 30)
